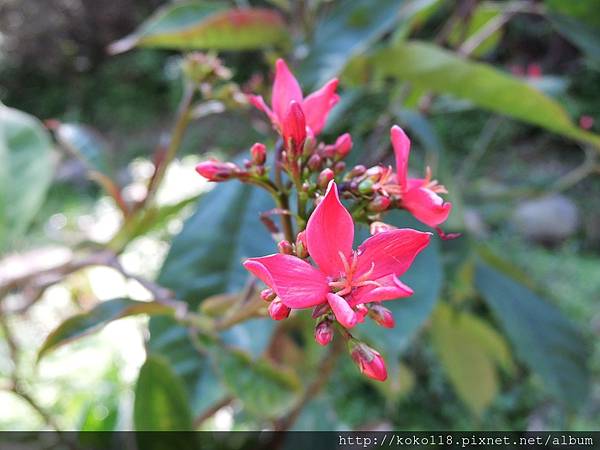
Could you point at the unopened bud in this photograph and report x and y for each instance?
(368, 360)
(380, 227)
(339, 167)
(324, 178)
(324, 332)
(365, 186)
(277, 310)
(356, 171)
(361, 312)
(294, 129)
(343, 145)
(267, 295)
(315, 162)
(382, 316)
(258, 153)
(285, 248)
(301, 247)
(214, 170)
(379, 204)
(374, 173)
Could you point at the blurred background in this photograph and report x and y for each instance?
(500, 98)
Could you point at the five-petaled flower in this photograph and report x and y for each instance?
(419, 195)
(343, 279)
(286, 90)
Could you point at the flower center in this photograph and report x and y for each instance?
(348, 280)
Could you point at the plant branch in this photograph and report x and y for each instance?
(211, 411)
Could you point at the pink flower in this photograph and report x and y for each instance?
(368, 360)
(419, 195)
(586, 122)
(286, 90)
(324, 332)
(343, 278)
(214, 170)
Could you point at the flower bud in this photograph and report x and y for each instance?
(285, 248)
(374, 173)
(324, 178)
(379, 204)
(259, 154)
(324, 332)
(365, 186)
(339, 167)
(293, 129)
(315, 162)
(267, 295)
(382, 316)
(356, 171)
(301, 247)
(277, 310)
(343, 145)
(369, 361)
(380, 227)
(214, 170)
(586, 122)
(361, 312)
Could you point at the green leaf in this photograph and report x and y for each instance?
(265, 390)
(161, 403)
(348, 30)
(430, 67)
(469, 350)
(425, 278)
(483, 14)
(203, 25)
(581, 34)
(25, 172)
(205, 259)
(86, 144)
(83, 324)
(587, 11)
(542, 337)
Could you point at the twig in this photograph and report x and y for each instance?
(324, 371)
(211, 411)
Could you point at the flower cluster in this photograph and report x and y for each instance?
(316, 265)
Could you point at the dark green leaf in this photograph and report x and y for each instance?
(161, 403)
(348, 30)
(583, 35)
(265, 390)
(205, 25)
(25, 171)
(205, 260)
(542, 337)
(90, 321)
(430, 67)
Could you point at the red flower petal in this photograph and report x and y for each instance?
(401, 144)
(258, 102)
(390, 252)
(426, 206)
(318, 104)
(296, 282)
(285, 90)
(391, 289)
(344, 314)
(329, 231)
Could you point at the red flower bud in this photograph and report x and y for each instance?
(258, 153)
(315, 162)
(277, 310)
(586, 122)
(343, 145)
(356, 171)
(379, 204)
(293, 129)
(324, 332)
(214, 170)
(369, 361)
(382, 316)
(285, 248)
(339, 167)
(325, 177)
(267, 295)
(361, 312)
(301, 247)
